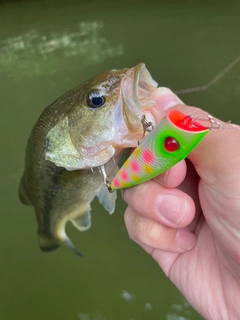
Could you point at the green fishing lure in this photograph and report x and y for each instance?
(168, 143)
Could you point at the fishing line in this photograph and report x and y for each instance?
(211, 82)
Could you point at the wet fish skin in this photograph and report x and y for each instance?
(68, 143)
(63, 195)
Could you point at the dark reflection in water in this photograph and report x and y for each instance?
(49, 47)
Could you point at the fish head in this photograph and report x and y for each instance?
(102, 117)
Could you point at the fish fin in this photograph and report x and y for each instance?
(106, 198)
(72, 246)
(84, 221)
(48, 245)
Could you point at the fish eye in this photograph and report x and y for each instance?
(95, 99)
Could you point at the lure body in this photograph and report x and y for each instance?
(168, 143)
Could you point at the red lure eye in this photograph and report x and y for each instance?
(171, 144)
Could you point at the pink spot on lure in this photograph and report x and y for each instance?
(171, 144)
(124, 175)
(148, 156)
(116, 183)
(135, 166)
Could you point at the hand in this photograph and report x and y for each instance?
(188, 218)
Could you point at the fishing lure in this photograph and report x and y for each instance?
(168, 143)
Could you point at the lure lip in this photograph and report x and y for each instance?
(185, 122)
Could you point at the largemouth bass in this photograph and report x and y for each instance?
(87, 127)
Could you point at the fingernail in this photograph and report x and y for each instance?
(185, 239)
(165, 98)
(171, 208)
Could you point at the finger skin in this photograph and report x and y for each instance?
(150, 234)
(170, 207)
(174, 176)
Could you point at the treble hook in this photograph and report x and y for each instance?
(213, 123)
(146, 126)
(105, 179)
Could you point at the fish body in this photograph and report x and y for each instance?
(168, 143)
(88, 127)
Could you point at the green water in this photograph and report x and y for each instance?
(49, 47)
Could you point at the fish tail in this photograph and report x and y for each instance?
(72, 246)
(48, 245)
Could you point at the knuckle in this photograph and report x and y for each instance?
(138, 228)
(152, 232)
(147, 231)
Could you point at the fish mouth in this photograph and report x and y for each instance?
(137, 87)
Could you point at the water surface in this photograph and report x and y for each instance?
(49, 47)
